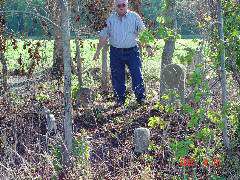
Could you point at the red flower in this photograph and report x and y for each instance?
(77, 18)
(216, 162)
(191, 162)
(186, 162)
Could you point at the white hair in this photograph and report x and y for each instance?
(121, 1)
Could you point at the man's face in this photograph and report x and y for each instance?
(121, 9)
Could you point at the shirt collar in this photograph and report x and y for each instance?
(126, 15)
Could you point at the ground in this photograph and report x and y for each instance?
(103, 145)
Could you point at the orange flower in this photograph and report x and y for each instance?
(205, 162)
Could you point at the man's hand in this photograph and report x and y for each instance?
(96, 55)
(102, 42)
(149, 51)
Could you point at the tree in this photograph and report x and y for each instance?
(104, 69)
(4, 87)
(170, 22)
(55, 12)
(223, 75)
(65, 34)
(231, 30)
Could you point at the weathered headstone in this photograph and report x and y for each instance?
(50, 120)
(196, 60)
(141, 140)
(47, 125)
(172, 81)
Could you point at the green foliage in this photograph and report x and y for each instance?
(158, 106)
(148, 158)
(75, 87)
(215, 117)
(41, 97)
(205, 134)
(188, 56)
(57, 158)
(146, 37)
(80, 152)
(181, 148)
(195, 115)
(155, 122)
(231, 30)
(196, 77)
(81, 149)
(169, 109)
(153, 147)
(216, 177)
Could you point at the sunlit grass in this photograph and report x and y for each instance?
(151, 65)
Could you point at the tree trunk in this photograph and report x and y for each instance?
(75, 6)
(56, 14)
(4, 74)
(65, 27)
(169, 47)
(136, 6)
(57, 68)
(171, 24)
(4, 84)
(235, 72)
(79, 62)
(104, 68)
(226, 140)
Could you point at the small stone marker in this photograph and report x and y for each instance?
(141, 140)
(48, 126)
(51, 121)
(173, 78)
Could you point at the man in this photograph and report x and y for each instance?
(122, 29)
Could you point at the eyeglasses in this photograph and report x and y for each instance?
(121, 5)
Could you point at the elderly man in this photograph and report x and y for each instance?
(122, 29)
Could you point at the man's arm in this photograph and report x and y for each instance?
(102, 42)
(104, 35)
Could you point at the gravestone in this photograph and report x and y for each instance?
(172, 83)
(50, 120)
(197, 59)
(141, 140)
(47, 125)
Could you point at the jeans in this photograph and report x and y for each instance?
(119, 58)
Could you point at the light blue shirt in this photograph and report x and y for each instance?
(123, 33)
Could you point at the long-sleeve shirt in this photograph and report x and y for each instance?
(123, 32)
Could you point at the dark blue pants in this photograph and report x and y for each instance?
(119, 58)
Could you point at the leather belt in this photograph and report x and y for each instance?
(124, 49)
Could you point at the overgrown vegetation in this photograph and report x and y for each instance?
(186, 137)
